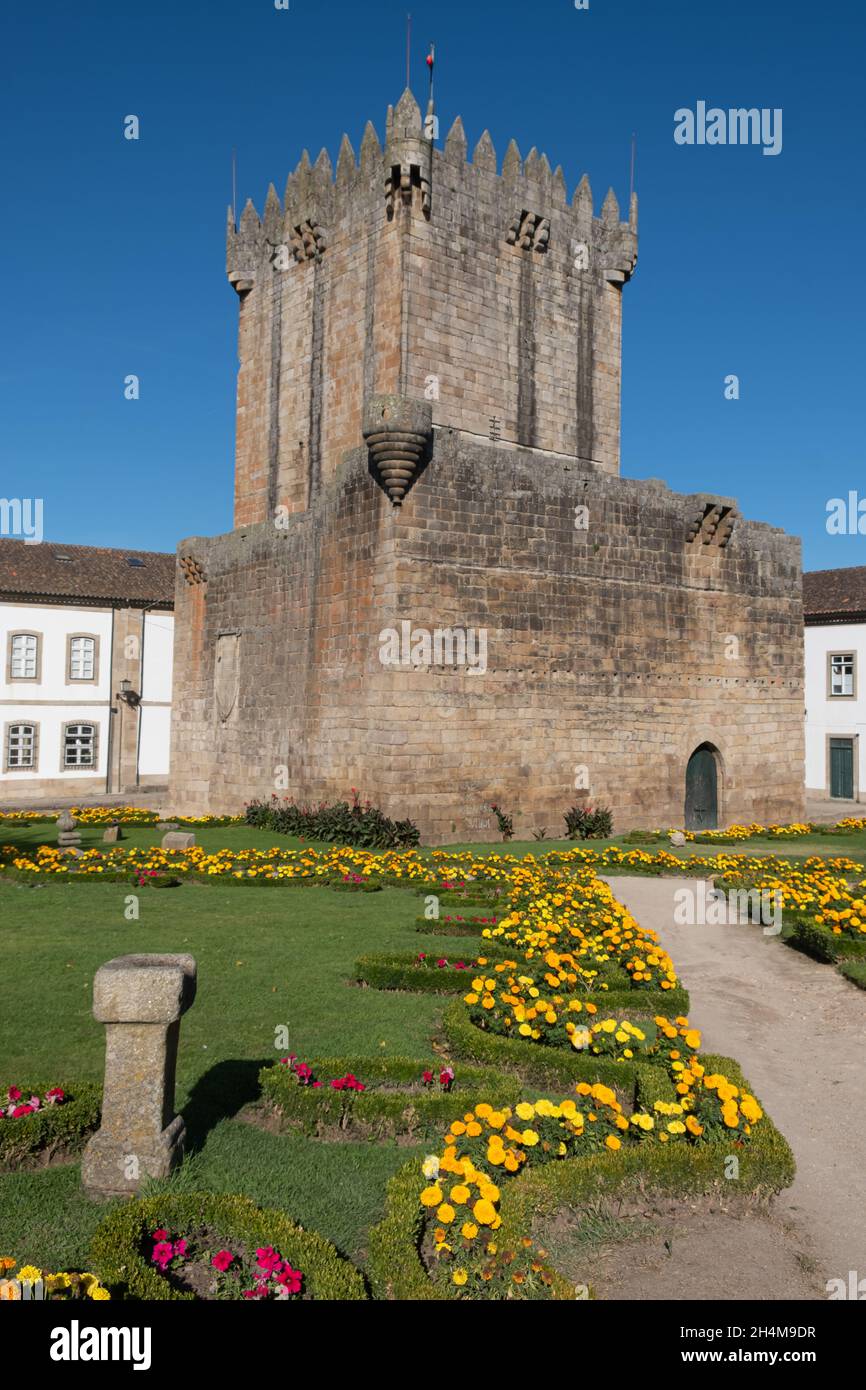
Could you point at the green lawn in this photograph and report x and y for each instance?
(265, 959)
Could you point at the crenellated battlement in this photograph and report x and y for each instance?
(416, 272)
(409, 171)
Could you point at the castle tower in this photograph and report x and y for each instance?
(419, 275)
(428, 442)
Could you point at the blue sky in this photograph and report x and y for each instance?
(114, 249)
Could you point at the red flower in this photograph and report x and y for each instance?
(427, 1077)
(163, 1254)
(160, 1234)
(55, 1095)
(442, 963)
(13, 1093)
(22, 1110)
(268, 1259)
(221, 1260)
(290, 1278)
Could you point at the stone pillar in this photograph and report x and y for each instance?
(140, 999)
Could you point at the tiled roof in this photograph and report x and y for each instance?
(830, 595)
(50, 570)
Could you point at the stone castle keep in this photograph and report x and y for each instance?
(439, 590)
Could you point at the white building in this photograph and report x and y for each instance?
(86, 640)
(834, 604)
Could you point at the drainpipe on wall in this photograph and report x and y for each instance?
(111, 709)
(144, 613)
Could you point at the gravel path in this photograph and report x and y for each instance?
(798, 1029)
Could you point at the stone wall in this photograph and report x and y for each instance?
(617, 648)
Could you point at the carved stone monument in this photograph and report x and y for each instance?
(141, 1000)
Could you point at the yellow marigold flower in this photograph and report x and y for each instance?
(445, 1214)
(484, 1212)
(28, 1274)
(431, 1196)
(460, 1276)
(100, 1294)
(469, 1230)
(525, 1111)
(694, 1127)
(612, 1142)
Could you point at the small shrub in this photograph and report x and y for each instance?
(504, 821)
(589, 823)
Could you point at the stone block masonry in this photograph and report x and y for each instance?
(625, 626)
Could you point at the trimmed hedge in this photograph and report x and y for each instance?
(384, 1110)
(394, 1266)
(395, 1269)
(65, 1126)
(438, 926)
(402, 972)
(819, 942)
(115, 1251)
(540, 1067)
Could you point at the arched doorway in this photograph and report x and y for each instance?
(702, 789)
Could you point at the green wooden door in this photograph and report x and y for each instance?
(702, 792)
(842, 768)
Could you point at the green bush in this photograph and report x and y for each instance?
(819, 942)
(387, 1107)
(116, 1249)
(360, 824)
(62, 1128)
(588, 823)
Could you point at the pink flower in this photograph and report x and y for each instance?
(290, 1279)
(221, 1260)
(180, 1247)
(442, 963)
(13, 1093)
(21, 1110)
(268, 1259)
(55, 1095)
(163, 1253)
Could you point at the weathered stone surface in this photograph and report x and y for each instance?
(677, 838)
(112, 835)
(140, 999)
(178, 839)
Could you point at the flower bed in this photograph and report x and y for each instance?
(456, 925)
(124, 1245)
(114, 815)
(31, 1135)
(32, 1282)
(544, 1157)
(398, 1096)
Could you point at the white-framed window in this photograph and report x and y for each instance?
(81, 664)
(842, 665)
(79, 745)
(21, 747)
(23, 656)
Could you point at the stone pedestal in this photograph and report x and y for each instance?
(67, 836)
(141, 1000)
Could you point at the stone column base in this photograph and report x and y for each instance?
(113, 1167)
